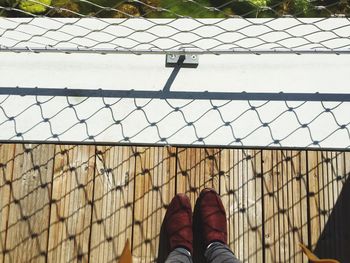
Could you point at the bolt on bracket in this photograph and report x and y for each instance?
(183, 61)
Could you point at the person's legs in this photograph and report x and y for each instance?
(179, 255)
(219, 253)
(178, 228)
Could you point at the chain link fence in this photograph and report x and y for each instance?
(180, 26)
(210, 122)
(171, 27)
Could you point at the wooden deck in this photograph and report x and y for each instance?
(80, 203)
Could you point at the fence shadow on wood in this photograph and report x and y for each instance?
(25, 191)
(48, 190)
(81, 202)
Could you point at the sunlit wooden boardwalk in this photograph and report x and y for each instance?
(66, 203)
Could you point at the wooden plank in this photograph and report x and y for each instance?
(338, 164)
(285, 205)
(154, 188)
(254, 215)
(319, 211)
(343, 211)
(329, 229)
(296, 203)
(339, 213)
(237, 164)
(197, 168)
(113, 203)
(284, 182)
(321, 204)
(335, 189)
(226, 191)
(284, 202)
(329, 220)
(229, 195)
(269, 203)
(240, 188)
(6, 168)
(30, 203)
(72, 197)
(272, 167)
(314, 197)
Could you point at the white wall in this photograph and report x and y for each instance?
(219, 117)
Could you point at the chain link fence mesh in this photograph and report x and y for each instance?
(174, 26)
(238, 123)
(164, 26)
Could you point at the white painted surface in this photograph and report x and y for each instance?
(223, 73)
(177, 121)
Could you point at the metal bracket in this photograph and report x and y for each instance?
(183, 61)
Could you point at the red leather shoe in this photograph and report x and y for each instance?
(212, 216)
(178, 223)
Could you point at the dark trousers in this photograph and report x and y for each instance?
(216, 253)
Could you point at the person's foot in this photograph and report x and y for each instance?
(213, 217)
(178, 223)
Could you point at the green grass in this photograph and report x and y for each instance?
(188, 8)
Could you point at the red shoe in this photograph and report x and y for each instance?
(178, 223)
(212, 216)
